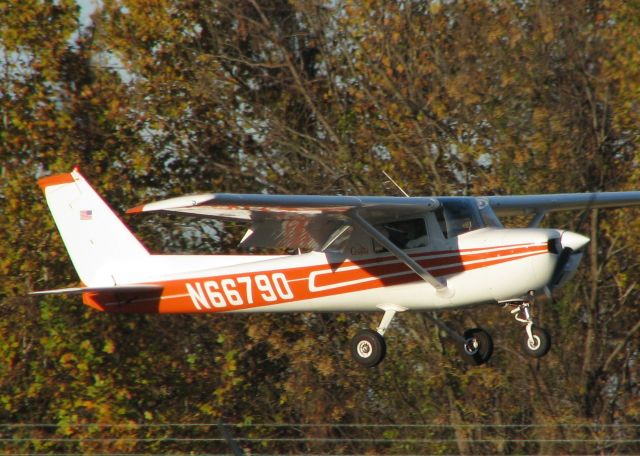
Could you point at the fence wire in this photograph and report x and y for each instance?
(316, 438)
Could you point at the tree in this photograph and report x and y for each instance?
(157, 99)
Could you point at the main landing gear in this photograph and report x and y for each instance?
(369, 348)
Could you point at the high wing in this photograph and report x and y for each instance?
(540, 204)
(292, 221)
(304, 221)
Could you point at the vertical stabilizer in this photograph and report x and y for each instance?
(95, 237)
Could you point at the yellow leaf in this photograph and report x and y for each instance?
(109, 347)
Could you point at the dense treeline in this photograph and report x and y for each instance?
(157, 99)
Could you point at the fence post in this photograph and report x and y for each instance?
(226, 433)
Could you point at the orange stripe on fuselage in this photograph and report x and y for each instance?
(265, 288)
(437, 266)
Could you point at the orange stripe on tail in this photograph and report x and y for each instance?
(57, 179)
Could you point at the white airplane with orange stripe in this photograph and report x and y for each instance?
(369, 253)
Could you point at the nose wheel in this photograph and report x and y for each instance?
(537, 344)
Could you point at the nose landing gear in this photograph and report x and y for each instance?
(536, 341)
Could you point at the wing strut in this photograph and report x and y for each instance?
(399, 253)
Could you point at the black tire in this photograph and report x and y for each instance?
(541, 344)
(368, 348)
(478, 348)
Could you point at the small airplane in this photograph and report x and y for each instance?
(365, 253)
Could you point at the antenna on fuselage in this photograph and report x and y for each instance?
(395, 183)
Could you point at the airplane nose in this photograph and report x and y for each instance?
(573, 241)
(569, 257)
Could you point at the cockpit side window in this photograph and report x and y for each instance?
(406, 234)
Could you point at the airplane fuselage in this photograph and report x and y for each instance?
(481, 266)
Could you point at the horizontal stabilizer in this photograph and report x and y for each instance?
(111, 289)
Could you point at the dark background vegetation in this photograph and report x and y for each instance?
(160, 98)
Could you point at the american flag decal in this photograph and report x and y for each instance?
(86, 214)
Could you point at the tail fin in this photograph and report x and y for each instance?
(95, 237)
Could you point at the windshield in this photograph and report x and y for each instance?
(457, 216)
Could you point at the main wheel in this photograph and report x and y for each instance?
(368, 348)
(540, 345)
(478, 346)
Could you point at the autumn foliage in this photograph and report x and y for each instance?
(155, 99)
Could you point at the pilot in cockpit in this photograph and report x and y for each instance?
(406, 234)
